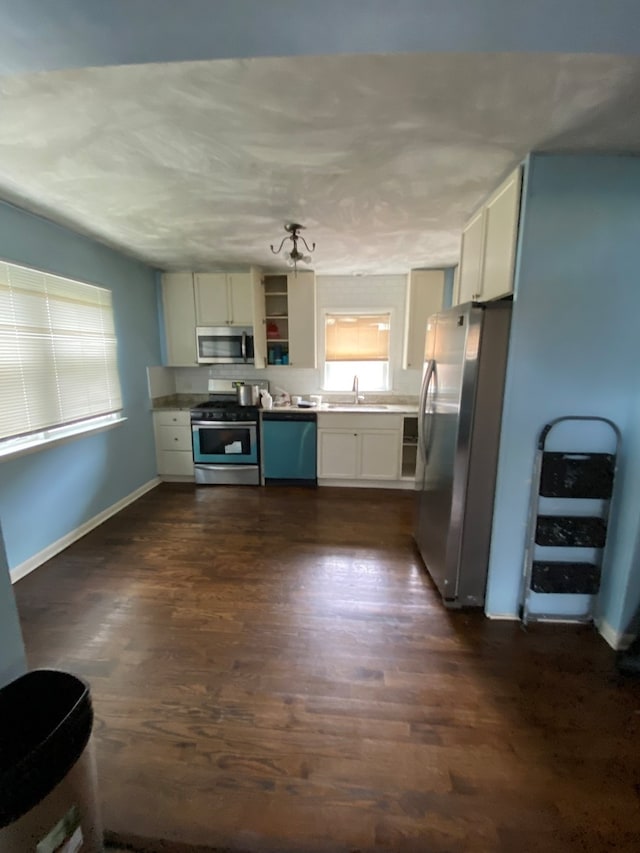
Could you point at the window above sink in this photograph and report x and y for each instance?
(357, 344)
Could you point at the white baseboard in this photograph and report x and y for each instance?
(366, 484)
(508, 617)
(25, 568)
(618, 640)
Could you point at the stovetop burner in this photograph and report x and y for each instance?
(223, 409)
(218, 404)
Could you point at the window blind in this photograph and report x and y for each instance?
(58, 352)
(357, 337)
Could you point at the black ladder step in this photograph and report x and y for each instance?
(565, 577)
(571, 531)
(577, 475)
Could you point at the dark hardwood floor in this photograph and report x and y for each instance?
(273, 671)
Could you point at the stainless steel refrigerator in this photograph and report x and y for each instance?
(458, 438)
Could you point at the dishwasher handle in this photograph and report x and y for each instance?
(306, 417)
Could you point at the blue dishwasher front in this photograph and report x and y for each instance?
(289, 447)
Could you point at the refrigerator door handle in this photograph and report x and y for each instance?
(422, 438)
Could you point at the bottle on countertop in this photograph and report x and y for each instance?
(266, 400)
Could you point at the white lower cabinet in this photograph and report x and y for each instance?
(174, 454)
(337, 454)
(359, 447)
(379, 452)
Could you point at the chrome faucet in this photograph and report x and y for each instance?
(357, 397)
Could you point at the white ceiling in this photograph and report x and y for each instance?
(195, 165)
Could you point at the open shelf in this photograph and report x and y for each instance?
(275, 285)
(409, 447)
(277, 318)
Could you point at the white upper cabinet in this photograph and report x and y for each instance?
(206, 299)
(488, 248)
(301, 301)
(212, 298)
(471, 252)
(425, 289)
(241, 290)
(223, 299)
(179, 318)
(501, 234)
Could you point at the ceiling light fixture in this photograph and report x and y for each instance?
(294, 255)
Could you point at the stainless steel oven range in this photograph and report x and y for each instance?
(225, 442)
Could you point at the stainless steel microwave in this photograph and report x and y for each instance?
(224, 344)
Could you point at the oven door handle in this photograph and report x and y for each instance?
(207, 466)
(227, 424)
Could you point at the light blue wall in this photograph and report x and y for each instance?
(12, 659)
(37, 35)
(47, 494)
(575, 348)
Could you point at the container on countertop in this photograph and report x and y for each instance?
(266, 400)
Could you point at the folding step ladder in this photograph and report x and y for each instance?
(568, 517)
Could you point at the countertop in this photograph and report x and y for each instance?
(184, 402)
(361, 408)
(177, 402)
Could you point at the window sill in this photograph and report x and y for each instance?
(11, 448)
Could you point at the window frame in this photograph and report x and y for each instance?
(10, 448)
(359, 310)
(56, 434)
